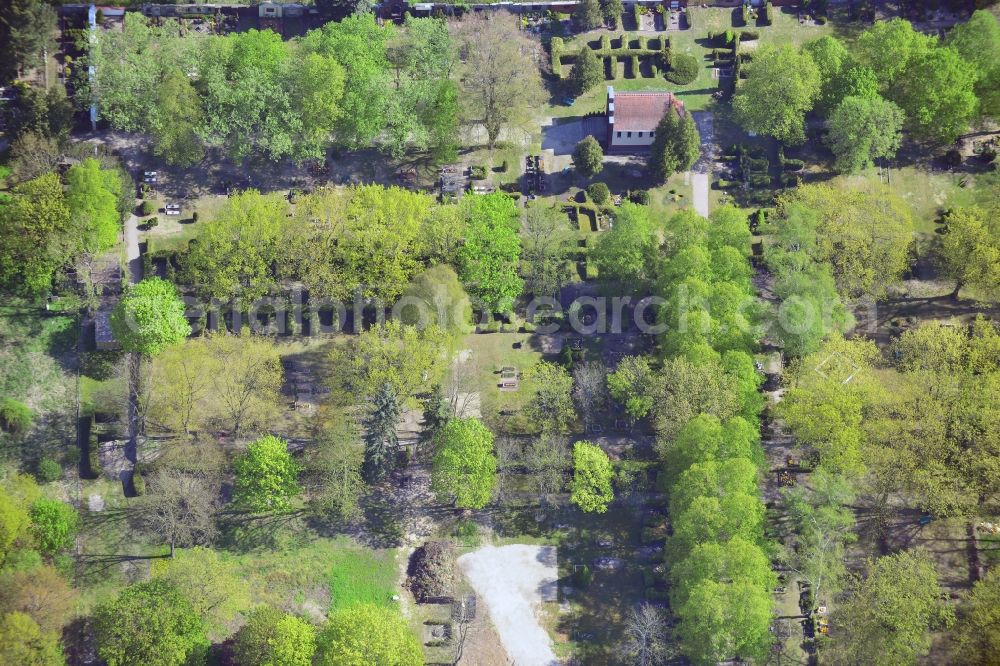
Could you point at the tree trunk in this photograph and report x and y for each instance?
(958, 288)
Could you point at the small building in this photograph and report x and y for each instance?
(633, 117)
(103, 337)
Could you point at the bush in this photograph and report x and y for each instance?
(504, 166)
(15, 416)
(793, 165)
(149, 224)
(431, 572)
(953, 158)
(635, 67)
(556, 46)
(689, 18)
(194, 216)
(766, 16)
(729, 38)
(639, 197)
(147, 208)
(588, 158)
(478, 172)
(599, 193)
(683, 69)
(49, 470)
(745, 15)
(93, 453)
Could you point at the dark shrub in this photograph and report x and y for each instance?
(49, 470)
(639, 196)
(147, 208)
(599, 193)
(683, 69)
(15, 416)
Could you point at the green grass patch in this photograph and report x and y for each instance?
(362, 577)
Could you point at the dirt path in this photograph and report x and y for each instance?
(513, 581)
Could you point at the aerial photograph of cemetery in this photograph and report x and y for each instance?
(577, 332)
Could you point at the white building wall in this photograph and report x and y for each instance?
(635, 140)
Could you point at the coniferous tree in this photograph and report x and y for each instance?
(381, 441)
(676, 145)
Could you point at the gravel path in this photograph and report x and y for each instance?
(701, 173)
(513, 581)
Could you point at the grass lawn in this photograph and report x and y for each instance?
(173, 233)
(322, 575)
(926, 191)
(697, 94)
(38, 368)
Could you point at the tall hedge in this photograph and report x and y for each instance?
(556, 46)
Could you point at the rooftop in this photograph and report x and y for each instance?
(641, 111)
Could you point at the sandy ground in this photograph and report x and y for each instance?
(513, 581)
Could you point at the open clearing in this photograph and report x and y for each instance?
(514, 581)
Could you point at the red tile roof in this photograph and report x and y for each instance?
(642, 111)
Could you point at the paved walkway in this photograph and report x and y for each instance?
(701, 173)
(132, 255)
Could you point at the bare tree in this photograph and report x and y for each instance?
(500, 72)
(590, 390)
(180, 508)
(548, 462)
(646, 640)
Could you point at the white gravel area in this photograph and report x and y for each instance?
(513, 581)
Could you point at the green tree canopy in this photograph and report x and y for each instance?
(235, 251)
(977, 639)
(631, 385)
(170, 632)
(588, 70)
(781, 87)
(211, 584)
(149, 317)
(53, 524)
(588, 15)
(588, 157)
(436, 297)
(626, 254)
(969, 251)
(978, 42)
(365, 634)
(274, 638)
(863, 130)
(888, 47)
(409, 359)
(381, 441)
(592, 473)
(266, 476)
(35, 235)
(22, 642)
(175, 120)
(92, 196)
(489, 259)
(936, 93)
(28, 28)
(465, 467)
(864, 233)
(892, 612)
(832, 59)
(676, 145)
